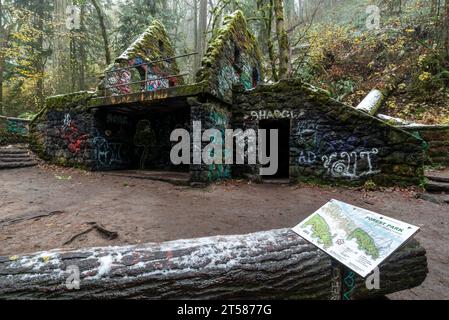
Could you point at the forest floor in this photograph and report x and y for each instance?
(152, 211)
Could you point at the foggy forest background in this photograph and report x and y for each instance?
(51, 47)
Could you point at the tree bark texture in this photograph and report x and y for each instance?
(276, 264)
(282, 39)
(103, 31)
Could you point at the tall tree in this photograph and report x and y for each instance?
(282, 37)
(197, 60)
(107, 52)
(445, 31)
(202, 28)
(82, 48)
(40, 57)
(2, 57)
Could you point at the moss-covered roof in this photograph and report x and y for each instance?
(153, 44)
(235, 28)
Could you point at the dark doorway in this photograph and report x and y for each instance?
(283, 127)
(137, 137)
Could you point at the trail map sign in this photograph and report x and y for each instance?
(358, 238)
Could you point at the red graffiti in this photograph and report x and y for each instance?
(72, 136)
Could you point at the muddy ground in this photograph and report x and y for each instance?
(151, 211)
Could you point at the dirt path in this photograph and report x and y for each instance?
(148, 211)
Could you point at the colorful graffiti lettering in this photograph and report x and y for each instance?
(72, 136)
(217, 171)
(118, 81)
(226, 79)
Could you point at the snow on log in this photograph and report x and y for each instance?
(274, 264)
(372, 102)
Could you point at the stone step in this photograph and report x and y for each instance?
(13, 165)
(13, 151)
(16, 159)
(14, 155)
(435, 186)
(438, 177)
(435, 198)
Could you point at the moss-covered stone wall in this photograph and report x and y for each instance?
(62, 131)
(332, 143)
(211, 115)
(437, 139)
(232, 57)
(146, 58)
(13, 130)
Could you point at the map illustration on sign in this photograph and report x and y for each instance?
(358, 238)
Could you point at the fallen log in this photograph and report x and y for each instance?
(276, 264)
(372, 102)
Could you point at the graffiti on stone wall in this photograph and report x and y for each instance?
(112, 118)
(272, 114)
(308, 134)
(246, 76)
(226, 79)
(118, 81)
(346, 164)
(72, 135)
(219, 171)
(17, 127)
(239, 71)
(109, 153)
(144, 138)
(120, 78)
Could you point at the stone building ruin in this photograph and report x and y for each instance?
(126, 123)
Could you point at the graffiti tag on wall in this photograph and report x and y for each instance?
(17, 127)
(72, 135)
(150, 77)
(345, 164)
(219, 171)
(272, 114)
(109, 153)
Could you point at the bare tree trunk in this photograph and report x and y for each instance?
(60, 54)
(268, 20)
(202, 26)
(282, 39)
(197, 60)
(103, 31)
(40, 66)
(82, 49)
(276, 264)
(445, 31)
(2, 57)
